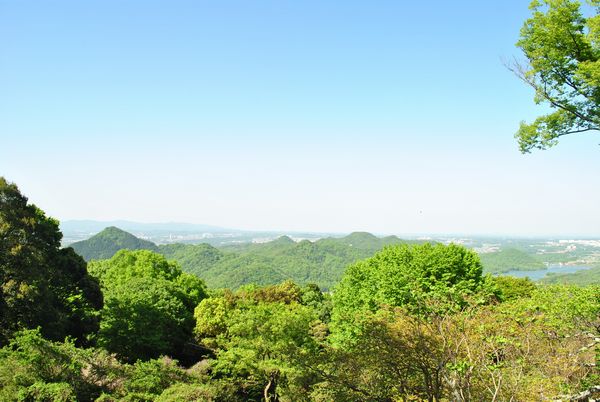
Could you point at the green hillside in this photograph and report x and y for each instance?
(322, 262)
(105, 244)
(196, 258)
(584, 277)
(509, 259)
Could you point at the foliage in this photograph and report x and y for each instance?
(321, 262)
(424, 279)
(562, 48)
(582, 278)
(511, 288)
(509, 259)
(258, 336)
(146, 380)
(105, 244)
(413, 322)
(33, 368)
(40, 283)
(271, 346)
(566, 308)
(536, 347)
(149, 305)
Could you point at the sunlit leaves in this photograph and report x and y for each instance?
(562, 48)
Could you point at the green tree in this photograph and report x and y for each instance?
(539, 346)
(259, 336)
(511, 288)
(149, 304)
(562, 47)
(35, 369)
(40, 283)
(423, 279)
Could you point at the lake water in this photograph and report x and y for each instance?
(540, 273)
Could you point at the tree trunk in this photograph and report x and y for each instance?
(270, 392)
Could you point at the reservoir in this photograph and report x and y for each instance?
(540, 273)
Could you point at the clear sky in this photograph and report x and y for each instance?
(385, 116)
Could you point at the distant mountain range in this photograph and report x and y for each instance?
(91, 226)
(167, 233)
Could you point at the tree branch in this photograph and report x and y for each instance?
(583, 130)
(521, 73)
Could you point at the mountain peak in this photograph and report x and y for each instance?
(361, 236)
(284, 239)
(107, 242)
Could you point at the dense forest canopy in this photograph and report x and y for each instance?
(322, 261)
(41, 284)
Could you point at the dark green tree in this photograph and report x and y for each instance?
(562, 47)
(41, 284)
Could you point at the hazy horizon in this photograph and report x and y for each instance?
(342, 233)
(331, 118)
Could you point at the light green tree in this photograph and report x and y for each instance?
(261, 337)
(424, 279)
(562, 48)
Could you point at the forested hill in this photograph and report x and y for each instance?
(105, 244)
(321, 262)
(510, 259)
(582, 278)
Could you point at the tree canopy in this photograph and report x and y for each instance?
(41, 284)
(149, 304)
(413, 322)
(422, 278)
(562, 47)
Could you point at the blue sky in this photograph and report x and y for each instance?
(291, 115)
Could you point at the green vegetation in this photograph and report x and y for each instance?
(581, 278)
(412, 322)
(321, 262)
(35, 369)
(40, 283)
(562, 48)
(511, 288)
(259, 336)
(424, 279)
(106, 244)
(148, 306)
(510, 259)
